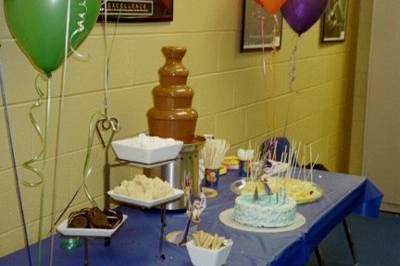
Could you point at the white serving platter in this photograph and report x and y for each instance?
(88, 232)
(126, 149)
(146, 203)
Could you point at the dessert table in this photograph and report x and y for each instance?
(136, 243)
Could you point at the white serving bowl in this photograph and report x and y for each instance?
(163, 150)
(208, 257)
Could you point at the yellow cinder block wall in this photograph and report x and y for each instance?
(231, 96)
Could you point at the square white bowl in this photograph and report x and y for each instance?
(207, 257)
(126, 150)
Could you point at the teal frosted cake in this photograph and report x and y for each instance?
(268, 211)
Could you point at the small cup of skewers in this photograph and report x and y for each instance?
(206, 249)
(245, 157)
(213, 154)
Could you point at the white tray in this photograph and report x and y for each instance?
(90, 232)
(146, 203)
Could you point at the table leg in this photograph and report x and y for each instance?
(86, 251)
(163, 225)
(106, 174)
(319, 256)
(350, 241)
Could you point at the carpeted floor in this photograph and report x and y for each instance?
(377, 242)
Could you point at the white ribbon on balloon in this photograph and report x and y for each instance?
(292, 71)
(79, 29)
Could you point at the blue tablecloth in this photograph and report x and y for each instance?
(137, 241)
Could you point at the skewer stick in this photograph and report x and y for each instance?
(282, 157)
(310, 174)
(302, 164)
(311, 160)
(275, 147)
(296, 158)
(304, 161)
(291, 159)
(285, 159)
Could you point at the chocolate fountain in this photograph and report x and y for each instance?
(173, 117)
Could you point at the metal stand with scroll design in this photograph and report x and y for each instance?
(112, 125)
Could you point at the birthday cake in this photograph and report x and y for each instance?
(268, 211)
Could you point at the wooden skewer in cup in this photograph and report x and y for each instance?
(213, 154)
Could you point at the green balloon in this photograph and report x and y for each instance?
(39, 27)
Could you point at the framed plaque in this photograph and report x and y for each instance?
(137, 10)
(334, 21)
(252, 37)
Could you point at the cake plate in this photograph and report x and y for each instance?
(226, 217)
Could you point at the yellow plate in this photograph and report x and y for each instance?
(209, 192)
(318, 192)
(237, 186)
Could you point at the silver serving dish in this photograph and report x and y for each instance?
(237, 186)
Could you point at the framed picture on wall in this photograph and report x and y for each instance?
(334, 21)
(137, 10)
(253, 38)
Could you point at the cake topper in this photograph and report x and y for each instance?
(195, 208)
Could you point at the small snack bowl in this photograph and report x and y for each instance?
(146, 149)
(200, 256)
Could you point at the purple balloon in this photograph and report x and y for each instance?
(302, 14)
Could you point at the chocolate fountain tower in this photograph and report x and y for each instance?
(172, 115)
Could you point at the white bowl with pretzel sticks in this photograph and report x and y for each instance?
(206, 249)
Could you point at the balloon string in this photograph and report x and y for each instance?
(106, 63)
(274, 38)
(274, 34)
(264, 63)
(292, 71)
(42, 194)
(81, 28)
(107, 58)
(58, 133)
(14, 166)
(285, 129)
(87, 168)
(42, 135)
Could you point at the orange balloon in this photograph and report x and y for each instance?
(271, 6)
